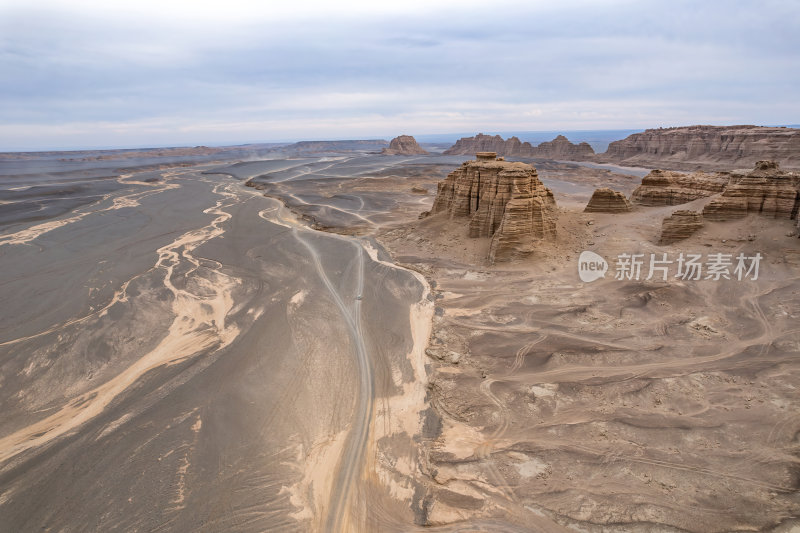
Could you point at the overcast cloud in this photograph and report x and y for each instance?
(86, 74)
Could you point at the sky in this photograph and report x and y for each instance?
(92, 74)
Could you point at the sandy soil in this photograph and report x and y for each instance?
(617, 405)
(626, 405)
(187, 354)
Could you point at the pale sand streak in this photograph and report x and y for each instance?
(199, 325)
(121, 294)
(130, 200)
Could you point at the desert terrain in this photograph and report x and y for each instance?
(282, 344)
(183, 354)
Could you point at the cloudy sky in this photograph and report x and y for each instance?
(86, 73)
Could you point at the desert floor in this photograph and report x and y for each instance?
(181, 351)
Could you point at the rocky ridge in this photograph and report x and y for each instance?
(503, 200)
(766, 190)
(558, 148)
(664, 187)
(562, 148)
(404, 145)
(680, 225)
(691, 147)
(605, 200)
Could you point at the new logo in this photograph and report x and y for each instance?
(591, 266)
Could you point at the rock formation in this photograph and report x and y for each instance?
(680, 225)
(662, 187)
(561, 148)
(487, 143)
(766, 190)
(558, 148)
(605, 200)
(503, 200)
(726, 147)
(404, 145)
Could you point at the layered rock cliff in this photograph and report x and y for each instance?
(558, 148)
(662, 187)
(503, 200)
(680, 225)
(488, 143)
(561, 148)
(403, 145)
(766, 190)
(722, 147)
(605, 200)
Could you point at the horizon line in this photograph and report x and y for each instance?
(502, 133)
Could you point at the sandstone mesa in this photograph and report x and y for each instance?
(690, 147)
(665, 187)
(503, 200)
(766, 190)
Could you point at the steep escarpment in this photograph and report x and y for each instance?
(558, 148)
(503, 200)
(766, 190)
(690, 147)
(404, 145)
(661, 187)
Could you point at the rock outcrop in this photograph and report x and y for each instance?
(722, 147)
(558, 148)
(680, 225)
(561, 148)
(605, 200)
(404, 145)
(503, 200)
(488, 143)
(662, 187)
(766, 190)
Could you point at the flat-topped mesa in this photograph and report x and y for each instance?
(503, 200)
(664, 187)
(766, 190)
(404, 145)
(706, 146)
(558, 148)
(605, 200)
(682, 224)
